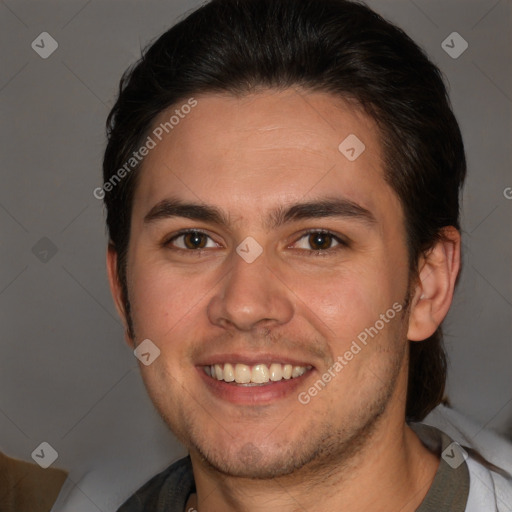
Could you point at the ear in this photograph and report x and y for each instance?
(117, 290)
(433, 294)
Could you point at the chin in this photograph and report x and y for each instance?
(248, 460)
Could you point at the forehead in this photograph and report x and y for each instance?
(265, 148)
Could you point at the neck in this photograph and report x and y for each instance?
(392, 471)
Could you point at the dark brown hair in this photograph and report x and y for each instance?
(334, 46)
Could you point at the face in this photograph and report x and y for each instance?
(259, 246)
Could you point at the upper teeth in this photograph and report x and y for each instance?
(257, 374)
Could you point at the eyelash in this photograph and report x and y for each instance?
(313, 252)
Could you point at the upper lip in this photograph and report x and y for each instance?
(252, 359)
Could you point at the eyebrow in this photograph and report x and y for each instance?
(322, 208)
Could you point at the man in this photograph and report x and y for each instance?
(281, 182)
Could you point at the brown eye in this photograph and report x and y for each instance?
(194, 240)
(191, 240)
(320, 241)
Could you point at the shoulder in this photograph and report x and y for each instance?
(489, 490)
(492, 447)
(488, 457)
(167, 490)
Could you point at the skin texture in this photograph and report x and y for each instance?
(349, 448)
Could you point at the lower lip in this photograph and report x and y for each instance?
(252, 395)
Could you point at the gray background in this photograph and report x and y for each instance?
(66, 375)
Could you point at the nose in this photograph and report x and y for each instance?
(251, 296)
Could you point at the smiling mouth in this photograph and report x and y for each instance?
(255, 375)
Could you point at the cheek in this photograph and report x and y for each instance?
(348, 301)
(161, 298)
(356, 312)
